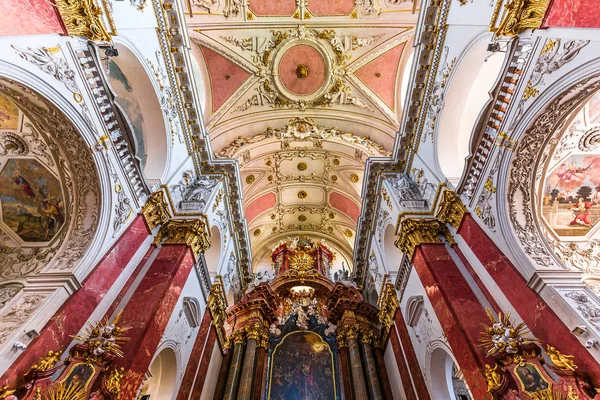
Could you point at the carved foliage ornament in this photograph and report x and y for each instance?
(414, 232)
(451, 210)
(519, 15)
(193, 233)
(217, 304)
(82, 18)
(156, 210)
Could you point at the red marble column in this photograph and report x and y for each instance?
(457, 309)
(191, 370)
(204, 364)
(407, 384)
(540, 319)
(411, 357)
(76, 310)
(148, 311)
(345, 374)
(261, 372)
(223, 373)
(383, 374)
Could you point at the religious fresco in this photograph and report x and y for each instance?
(31, 200)
(572, 195)
(127, 98)
(302, 368)
(9, 114)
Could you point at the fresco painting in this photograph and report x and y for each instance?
(9, 114)
(127, 99)
(302, 369)
(571, 203)
(31, 200)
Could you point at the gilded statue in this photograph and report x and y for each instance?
(560, 360)
(521, 15)
(492, 377)
(47, 362)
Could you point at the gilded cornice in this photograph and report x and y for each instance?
(156, 210)
(451, 210)
(193, 233)
(82, 18)
(414, 232)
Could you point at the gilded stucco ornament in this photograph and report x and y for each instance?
(388, 304)
(105, 337)
(82, 18)
(47, 362)
(561, 361)
(114, 381)
(217, 304)
(519, 15)
(193, 233)
(451, 209)
(492, 377)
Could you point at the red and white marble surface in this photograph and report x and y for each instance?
(192, 368)
(29, 17)
(573, 13)
(204, 364)
(535, 312)
(399, 356)
(457, 308)
(148, 311)
(74, 313)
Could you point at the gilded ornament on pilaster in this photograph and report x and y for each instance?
(47, 362)
(561, 361)
(156, 210)
(414, 232)
(388, 304)
(5, 392)
(217, 304)
(451, 210)
(193, 233)
(519, 15)
(103, 338)
(114, 382)
(82, 18)
(504, 336)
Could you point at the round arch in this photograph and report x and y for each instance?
(467, 93)
(138, 99)
(392, 254)
(162, 384)
(213, 254)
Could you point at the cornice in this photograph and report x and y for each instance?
(174, 41)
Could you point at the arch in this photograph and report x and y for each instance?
(213, 254)
(138, 100)
(50, 238)
(441, 371)
(414, 309)
(163, 381)
(465, 96)
(393, 255)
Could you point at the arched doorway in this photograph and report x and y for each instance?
(163, 375)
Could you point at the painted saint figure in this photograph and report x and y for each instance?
(23, 184)
(582, 212)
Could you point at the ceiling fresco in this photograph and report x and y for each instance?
(301, 93)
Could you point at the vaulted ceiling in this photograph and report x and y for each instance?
(301, 93)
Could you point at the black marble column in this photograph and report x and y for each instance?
(235, 369)
(371, 369)
(358, 376)
(245, 386)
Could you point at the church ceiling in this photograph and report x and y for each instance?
(301, 93)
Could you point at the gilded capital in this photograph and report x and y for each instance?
(238, 337)
(193, 233)
(451, 210)
(156, 210)
(82, 18)
(414, 232)
(366, 335)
